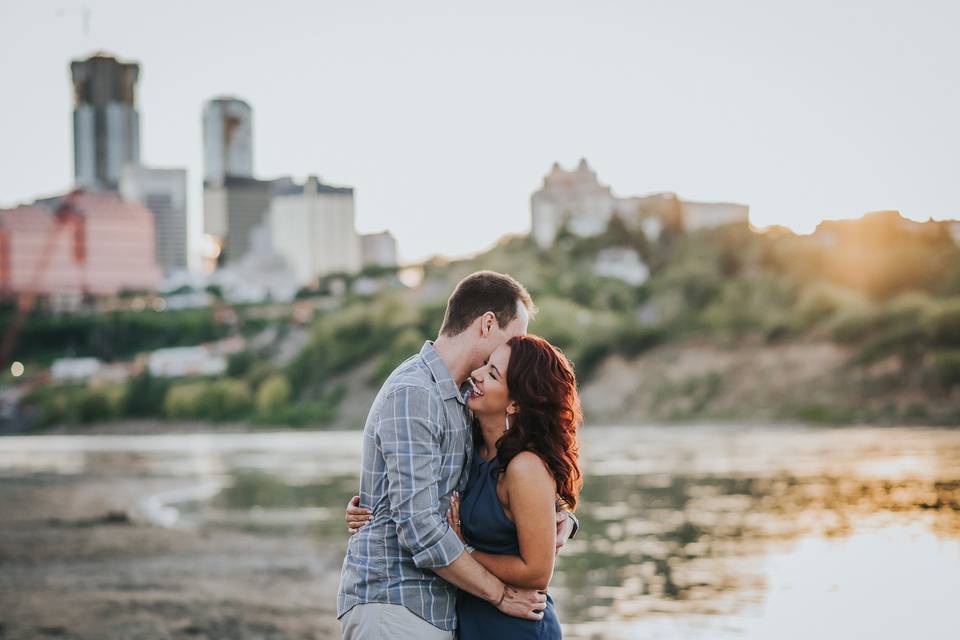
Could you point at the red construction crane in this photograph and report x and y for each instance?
(67, 216)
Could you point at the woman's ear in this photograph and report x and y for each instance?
(513, 408)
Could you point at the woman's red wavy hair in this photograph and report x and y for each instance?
(542, 383)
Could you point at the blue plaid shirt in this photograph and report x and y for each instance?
(417, 445)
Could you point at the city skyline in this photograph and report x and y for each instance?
(801, 113)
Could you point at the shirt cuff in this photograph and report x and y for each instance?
(441, 553)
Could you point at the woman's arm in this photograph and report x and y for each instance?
(531, 493)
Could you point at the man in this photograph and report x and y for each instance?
(402, 569)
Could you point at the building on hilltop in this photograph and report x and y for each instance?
(378, 249)
(106, 125)
(577, 201)
(704, 215)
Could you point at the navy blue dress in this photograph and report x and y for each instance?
(487, 528)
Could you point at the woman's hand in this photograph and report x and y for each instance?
(356, 515)
(453, 515)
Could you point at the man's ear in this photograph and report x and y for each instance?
(488, 321)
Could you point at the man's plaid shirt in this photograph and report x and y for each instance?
(416, 448)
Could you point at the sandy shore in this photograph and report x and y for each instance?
(73, 564)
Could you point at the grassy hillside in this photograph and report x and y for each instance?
(860, 321)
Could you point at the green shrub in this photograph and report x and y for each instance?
(894, 317)
(223, 399)
(226, 399)
(145, 395)
(311, 413)
(822, 300)
(946, 367)
(183, 400)
(944, 324)
(407, 343)
(117, 334)
(273, 396)
(95, 406)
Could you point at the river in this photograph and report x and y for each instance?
(693, 532)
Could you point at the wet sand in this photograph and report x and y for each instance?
(75, 562)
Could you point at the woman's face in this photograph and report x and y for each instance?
(489, 393)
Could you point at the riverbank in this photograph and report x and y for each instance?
(75, 562)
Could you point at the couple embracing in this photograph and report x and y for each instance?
(469, 475)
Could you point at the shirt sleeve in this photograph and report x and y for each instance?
(410, 431)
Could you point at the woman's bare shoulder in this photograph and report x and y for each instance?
(526, 467)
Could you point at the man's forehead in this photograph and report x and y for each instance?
(522, 316)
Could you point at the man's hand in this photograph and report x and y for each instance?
(356, 515)
(564, 529)
(522, 603)
(453, 515)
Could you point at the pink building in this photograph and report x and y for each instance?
(93, 243)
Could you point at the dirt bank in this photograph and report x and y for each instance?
(810, 381)
(74, 565)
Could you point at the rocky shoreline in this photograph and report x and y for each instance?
(76, 561)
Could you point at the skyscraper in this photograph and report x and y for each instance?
(227, 140)
(106, 125)
(232, 210)
(312, 226)
(164, 193)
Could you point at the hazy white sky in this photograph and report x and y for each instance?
(446, 115)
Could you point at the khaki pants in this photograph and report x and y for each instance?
(377, 621)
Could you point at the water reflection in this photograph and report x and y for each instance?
(688, 532)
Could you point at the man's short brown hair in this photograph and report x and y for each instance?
(481, 292)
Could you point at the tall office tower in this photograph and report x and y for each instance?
(227, 140)
(232, 210)
(164, 193)
(106, 125)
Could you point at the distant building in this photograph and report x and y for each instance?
(74, 368)
(106, 125)
(83, 243)
(623, 264)
(164, 192)
(702, 215)
(578, 202)
(575, 199)
(378, 249)
(232, 210)
(227, 140)
(312, 226)
(256, 277)
(176, 362)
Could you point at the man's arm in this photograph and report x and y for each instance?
(409, 436)
(567, 524)
(530, 489)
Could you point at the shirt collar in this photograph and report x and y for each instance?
(441, 375)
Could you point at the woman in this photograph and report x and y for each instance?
(525, 466)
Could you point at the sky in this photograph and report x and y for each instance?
(445, 116)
